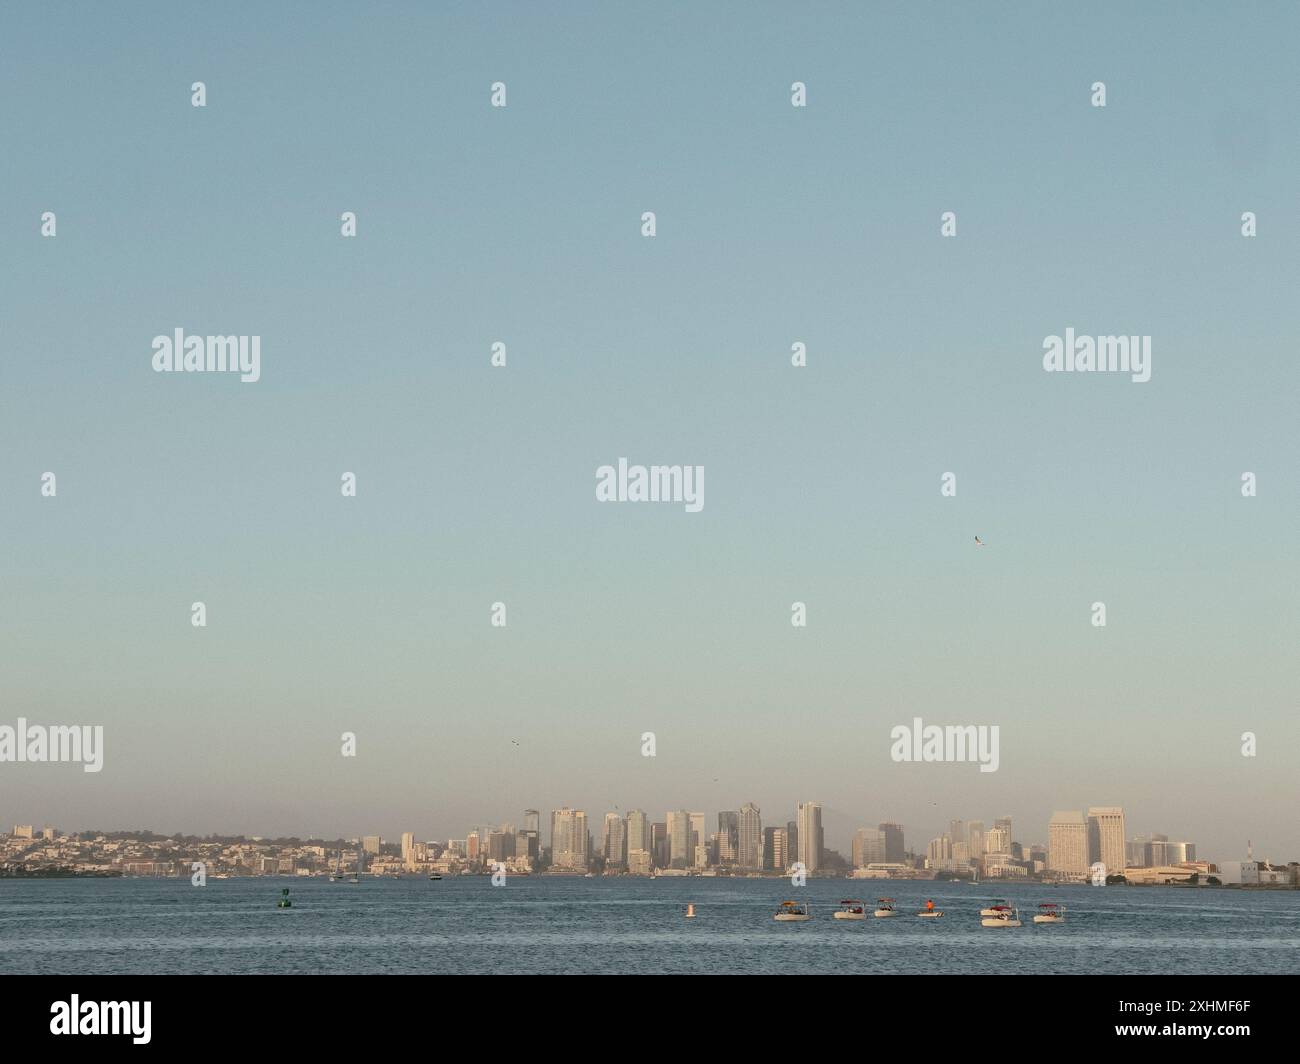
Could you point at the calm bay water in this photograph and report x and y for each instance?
(536, 924)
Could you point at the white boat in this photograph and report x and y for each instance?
(1004, 916)
(995, 906)
(885, 907)
(1050, 913)
(930, 914)
(792, 911)
(851, 909)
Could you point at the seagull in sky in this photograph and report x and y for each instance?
(979, 542)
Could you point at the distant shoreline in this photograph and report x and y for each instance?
(992, 886)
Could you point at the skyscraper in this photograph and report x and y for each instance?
(894, 848)
(939, 851)
(721, 850)
(1106, 837)
(533, 829)
(613, 843)
(525, 845)
(729, 842)
(1004, 823)
(638, 831)
(869, 847)
(750, 829)
(1159, 849)
(809, 816)
(699, 837)
(500, 845)
(975, 838)
(681, 851)
(569, 839)
(1067, 843)
(775, 849)
(408, 848)
(660, 847)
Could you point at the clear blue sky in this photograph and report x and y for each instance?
(477, 484)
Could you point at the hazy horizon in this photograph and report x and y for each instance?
(476, 484)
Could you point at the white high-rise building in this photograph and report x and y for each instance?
(1106, 837)
(681, 851)
(1067, 843)
(750, 850)
(811, 839)
(408, 848)
(569, 839)
(939, 852)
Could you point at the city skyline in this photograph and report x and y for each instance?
(585, 838)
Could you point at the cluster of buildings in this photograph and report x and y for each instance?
(1076, 845)
(29, 850)
(635, 844)
(1081, 846)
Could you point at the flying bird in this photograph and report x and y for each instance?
(979, 542)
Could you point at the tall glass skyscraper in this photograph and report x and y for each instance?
(749, 846)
